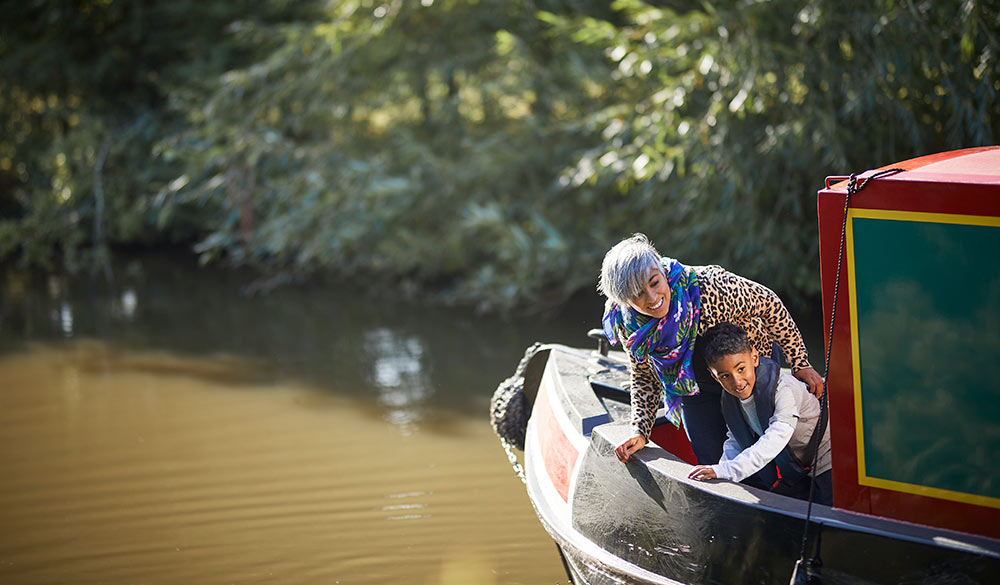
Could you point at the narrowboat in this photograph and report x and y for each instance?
(913, 404)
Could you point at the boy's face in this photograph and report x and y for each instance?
(736, 372)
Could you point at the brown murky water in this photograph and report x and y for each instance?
(168, 430)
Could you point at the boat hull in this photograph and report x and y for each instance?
(908, 253)
(645, 522)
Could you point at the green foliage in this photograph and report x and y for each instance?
(85, 92)
(488, 150)
(415, 144)
(729, 118)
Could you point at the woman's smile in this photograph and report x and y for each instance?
(655, 299)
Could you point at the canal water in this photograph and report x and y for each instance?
(169, 427)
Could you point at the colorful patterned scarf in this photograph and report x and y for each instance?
(668, 342)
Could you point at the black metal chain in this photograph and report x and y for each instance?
(853, 186)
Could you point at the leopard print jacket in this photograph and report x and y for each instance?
(725, 297)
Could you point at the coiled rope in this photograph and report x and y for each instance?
(510, 409)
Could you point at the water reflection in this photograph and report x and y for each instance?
(124, 466)
(417, 366)
(412, 509)
(128, 303)
(64, 319)
(397, 374)
(167, 428)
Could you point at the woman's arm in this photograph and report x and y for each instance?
(646, 397)
(748, 301)
(758, 301)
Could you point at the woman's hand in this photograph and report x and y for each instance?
(702, 472)
(631, 445)
(813, 379)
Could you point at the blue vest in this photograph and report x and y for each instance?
(785, 467)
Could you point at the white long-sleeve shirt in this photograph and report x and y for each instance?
(795, 414)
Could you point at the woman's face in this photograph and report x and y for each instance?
(655, 300)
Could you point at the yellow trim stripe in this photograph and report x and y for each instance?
(922, 490)
(983, 220)
(863, 478)
(855, 346)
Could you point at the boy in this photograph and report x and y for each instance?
(770, 418)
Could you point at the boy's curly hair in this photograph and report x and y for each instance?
(722, 340)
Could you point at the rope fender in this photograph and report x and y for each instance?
(509, 408)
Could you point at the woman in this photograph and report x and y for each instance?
(657, 307)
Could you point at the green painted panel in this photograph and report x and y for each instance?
(928, 300)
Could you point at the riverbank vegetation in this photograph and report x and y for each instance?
(485, 152)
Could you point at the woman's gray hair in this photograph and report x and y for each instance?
(625, 270)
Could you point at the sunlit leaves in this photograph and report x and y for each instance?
(486, 150)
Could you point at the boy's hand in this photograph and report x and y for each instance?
(813, 379)
(631, 445)
(702, 472)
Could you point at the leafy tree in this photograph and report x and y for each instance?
(729, 116)
(408, 141)
(85, 87)
(487, 150)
